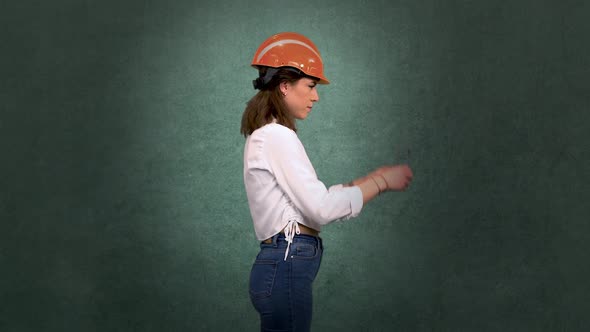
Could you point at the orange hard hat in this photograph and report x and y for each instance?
(291, 49)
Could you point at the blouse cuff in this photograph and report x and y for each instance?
(356, 202)
(355, 195)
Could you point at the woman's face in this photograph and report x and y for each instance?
(300, 97)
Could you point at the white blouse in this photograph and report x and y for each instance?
(283, 189)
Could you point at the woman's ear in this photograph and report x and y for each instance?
(284, 86)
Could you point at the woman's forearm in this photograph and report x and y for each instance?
(371, 186)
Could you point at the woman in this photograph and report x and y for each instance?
(287, 201)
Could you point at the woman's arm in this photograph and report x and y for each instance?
(295, 175)
(383, 179)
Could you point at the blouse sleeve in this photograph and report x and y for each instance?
(297, 178)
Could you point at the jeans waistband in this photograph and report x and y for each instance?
(280, 239)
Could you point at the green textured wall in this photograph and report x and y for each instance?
(122, 205)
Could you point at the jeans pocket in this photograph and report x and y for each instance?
(262, 278)
(304, 250)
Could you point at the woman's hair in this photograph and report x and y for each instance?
(268, 103)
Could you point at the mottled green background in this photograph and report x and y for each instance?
(122, 205)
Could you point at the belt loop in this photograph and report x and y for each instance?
(274, 240)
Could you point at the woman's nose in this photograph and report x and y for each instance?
(315, 96)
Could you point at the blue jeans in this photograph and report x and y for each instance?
(280, 290)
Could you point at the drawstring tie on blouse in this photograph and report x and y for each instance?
(290, 231)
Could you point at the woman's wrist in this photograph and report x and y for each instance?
(376, 184)
(383, 182)
(379, 181)
(372, 177)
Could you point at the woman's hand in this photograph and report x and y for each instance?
(397, 177)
